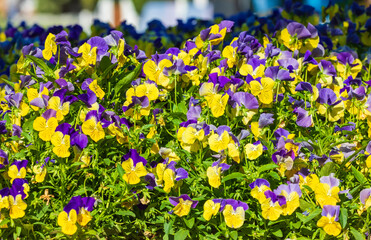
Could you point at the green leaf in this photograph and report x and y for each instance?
(359, 176)
(42, 212)
(19, 155)
(125, 213)
(120, 170)
(274, 175)
(189, 222)
(128, 79)
(234, 235)
(308, 218)
(104, 63)
(107, 161)
(327, 169)
(304, 205)
(178, 115)
(41, 64)
(267, 167)
(235, 175)
(278, 233)
(343, 217)
(107, 71)
(180, 108)
(18, 230)
(7, 81)
(181, 234)
(77, 164)
(357, 235)
(168, 226)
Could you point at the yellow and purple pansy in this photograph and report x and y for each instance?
(329, 220)
(17, 169)
(258, 188)
(272, 205)
(233, 212)
(61, 140)
(46, 124)
(182, 205)
(214, 173)
(211, 208)
(17, 193)
(134, 166)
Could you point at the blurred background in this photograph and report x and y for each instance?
(135, 12)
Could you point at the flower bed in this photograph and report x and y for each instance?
(246, 128)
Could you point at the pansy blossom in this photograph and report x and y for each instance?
(182, 205)
(134, 166)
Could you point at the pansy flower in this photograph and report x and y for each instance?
(40, 170)
(303, 118)
(78, 139)
(61, 103)
(258, 188)
(219, 139)
(253, 150)
(246, 104)
(90, 100)
(115, 126)
(327, 72)
(254, 67)
(86, 205)
(211, 208)
(214, 34)
(298, 37)
(17, 193)
(17, 169)
(154, 69)
(3, 159)
(329, 105)
(329, 220)
(133, 164)
(137, 107)
(94, 87)
(192, 135)
(172, 174)
(272, 206)
(89, 55)
(285, 159)
(193, 75)
(234, 212)
(68, 217)
(263, 89)
(327, 191)
(38, 98)
(15, 100)
(214, 173)
(46, 124)
(189, 135)
(148, 89)
(21, 186)
(182, 205)
(292, 193)
(50, 47)
(169, 154)
(217, 102)
(61, 140)
(92, 126)
(347, 65)
(4, 198)
(230, 53)
(365, 197)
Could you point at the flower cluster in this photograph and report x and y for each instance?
(265, 120)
